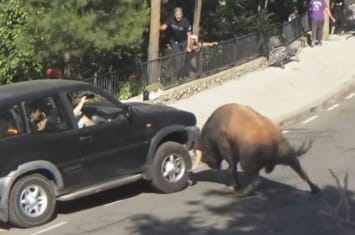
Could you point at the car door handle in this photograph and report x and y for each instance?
(87, 138)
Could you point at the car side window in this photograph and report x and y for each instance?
(11, 122)
(46, 115)
(91, 108)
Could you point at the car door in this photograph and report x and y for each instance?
(112, 146)
(56, 144)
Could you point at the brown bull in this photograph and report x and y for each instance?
(238, 134)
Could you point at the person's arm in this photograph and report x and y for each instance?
(188, 35)
(42, 124)
(207, 44)
(329, 14)
(163, 26)
(77, 109)
(189, 42)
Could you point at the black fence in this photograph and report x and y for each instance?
(173, 70)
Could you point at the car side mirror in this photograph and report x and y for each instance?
(127, 111)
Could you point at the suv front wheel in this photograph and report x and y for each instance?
(32, 201)
(170, 167)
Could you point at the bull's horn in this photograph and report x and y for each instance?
(306, 145)
(198, 156)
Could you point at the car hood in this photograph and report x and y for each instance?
(163, 114)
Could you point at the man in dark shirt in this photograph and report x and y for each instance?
(180, 31)
(180, 39)
(337, 9)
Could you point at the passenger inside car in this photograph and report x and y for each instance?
(78, 104)
(7, 124)
(38, 120)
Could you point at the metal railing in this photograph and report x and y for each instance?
(176, 69)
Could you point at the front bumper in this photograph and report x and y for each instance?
(193, 132)
(5, 186)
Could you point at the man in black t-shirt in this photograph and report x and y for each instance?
(180, 31)
(180, 38)
(337, 8)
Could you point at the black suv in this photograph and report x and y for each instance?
(63, 139)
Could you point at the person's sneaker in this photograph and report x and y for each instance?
(320, 43)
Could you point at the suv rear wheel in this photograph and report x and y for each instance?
(170, 167)
(32, 201)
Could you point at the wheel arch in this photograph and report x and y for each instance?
(45, 168)
(175, 133)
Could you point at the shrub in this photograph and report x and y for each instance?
(129, 89)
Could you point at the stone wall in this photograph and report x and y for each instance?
(188, 89)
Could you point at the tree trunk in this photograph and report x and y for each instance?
(197, 16)
(265, 4)
(153, 48)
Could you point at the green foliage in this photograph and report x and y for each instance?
(16, 49)
(240, 17)
(155, 86)
(88, 29)
(129, 89)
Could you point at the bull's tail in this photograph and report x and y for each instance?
(304, 148)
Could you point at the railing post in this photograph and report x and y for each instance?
(235, 49)
(263, 41)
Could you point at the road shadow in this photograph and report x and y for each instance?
(263, 188)
(99, 199)
(5, 226)
(276, 208)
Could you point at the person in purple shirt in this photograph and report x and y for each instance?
(317, 8)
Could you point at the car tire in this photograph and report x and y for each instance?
(33, 189)
(170, 167)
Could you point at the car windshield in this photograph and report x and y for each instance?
(91, 108)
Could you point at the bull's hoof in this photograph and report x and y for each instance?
(234, 188)
(244, 192)
(269, 168)
(191, 181)
(315, 189)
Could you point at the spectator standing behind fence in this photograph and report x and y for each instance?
(318, 9)
(337, 9)
(195, 53)
(180, 31)
(196, 44)
(294, 14)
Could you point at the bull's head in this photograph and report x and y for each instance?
(287, 153)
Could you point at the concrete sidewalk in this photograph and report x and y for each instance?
(281, 94)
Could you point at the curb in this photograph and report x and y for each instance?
(317, 104)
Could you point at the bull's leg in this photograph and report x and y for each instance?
(232, 170)
(249, 189)
(269, 168)
(296, 166)
(227, 153)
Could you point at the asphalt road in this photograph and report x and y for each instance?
(282, 205)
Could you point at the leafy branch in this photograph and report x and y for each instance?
(335, 213)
